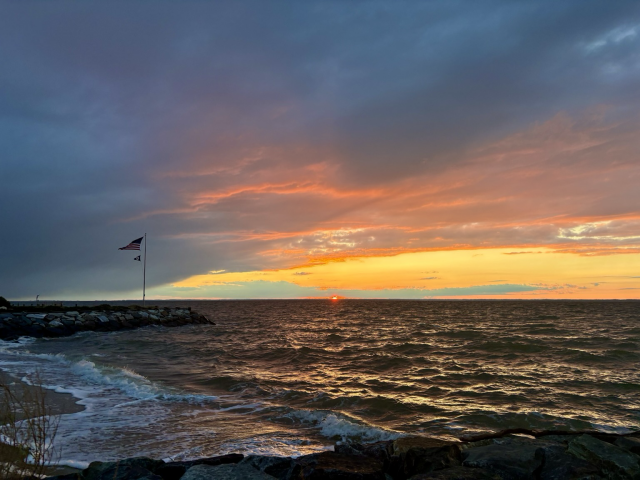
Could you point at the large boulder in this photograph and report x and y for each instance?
(281, 468)
(422, 455)
(511, 461)
(381, 451)
(175, 470)
(457, 473)
(336, 466)
(225, 472)
(560, 465)
(629, 443)
(614, 461)
(67, 476)
(138, 468)
(171, 471)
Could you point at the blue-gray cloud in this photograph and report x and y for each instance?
(99, 102)
(282, 289)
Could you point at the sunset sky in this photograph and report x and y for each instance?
(292, 149)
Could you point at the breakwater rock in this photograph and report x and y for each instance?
(533, 455)
(63, 322)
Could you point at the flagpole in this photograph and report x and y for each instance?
(144, 270)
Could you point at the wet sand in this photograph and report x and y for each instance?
(58, 403)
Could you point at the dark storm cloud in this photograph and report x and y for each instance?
(112, 110)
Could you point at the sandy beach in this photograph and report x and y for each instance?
(58, 403)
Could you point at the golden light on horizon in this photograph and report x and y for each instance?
(507, 272)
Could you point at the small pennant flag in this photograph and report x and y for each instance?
(138, 258)
(135, 245)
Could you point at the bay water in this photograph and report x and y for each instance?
(290, 377)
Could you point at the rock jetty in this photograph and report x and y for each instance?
(529, 455)
(61, 322)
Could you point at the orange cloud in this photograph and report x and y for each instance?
(568, 185)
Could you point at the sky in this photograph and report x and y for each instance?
(285, 149)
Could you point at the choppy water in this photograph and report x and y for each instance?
(290, 377)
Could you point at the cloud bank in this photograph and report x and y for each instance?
(253, 136)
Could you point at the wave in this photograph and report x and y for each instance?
(132, 384)
(621, 354)
(15, 344)
(552, 331)
(512, 347)
(339, 426)
(334, 337)
(92, 375)
(464, 334)
(409, 348)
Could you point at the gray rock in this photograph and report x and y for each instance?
(629, 443)
(457, 473)
(16, 324)
(511, 461)
(332, 465)
(560, 439)
(613, 461)
(68, 476)
(225, 472)
(424, 454)
(211, 461)
(171, 471)
(139, 468)
(560, 465)
(35, 330)
(281, 468)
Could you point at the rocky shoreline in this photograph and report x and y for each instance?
(509, 455)
(60, 322)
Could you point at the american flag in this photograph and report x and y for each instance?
(135, 245)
